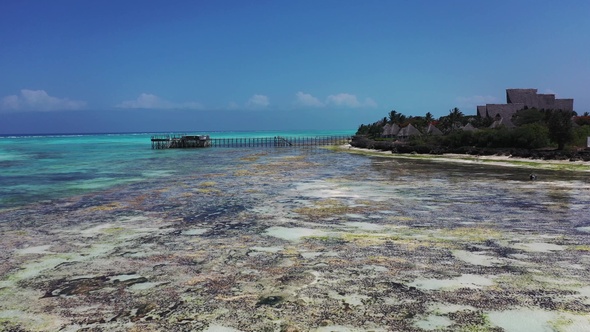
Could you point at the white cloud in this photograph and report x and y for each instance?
(343, 99)
(305, 99)
(258, 101)
(146, 100)
(150, 101)
(349, 100)
(10, 102)
(474, 101)
(39, 100)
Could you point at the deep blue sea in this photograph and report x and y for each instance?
(43, 167)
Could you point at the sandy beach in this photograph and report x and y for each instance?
(508, 161)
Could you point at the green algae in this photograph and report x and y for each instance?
(535, 281)
(368, 238)
(470, 234)
(580, 247)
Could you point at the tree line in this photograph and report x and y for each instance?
(533, 129)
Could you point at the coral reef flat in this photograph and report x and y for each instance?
(305, 240)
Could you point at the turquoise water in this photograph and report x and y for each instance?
(37, 168)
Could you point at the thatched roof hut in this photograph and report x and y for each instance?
(432, 130)
(469, 127)
(390, 130)
(386, 130)
(408, 131)
(394, 129)
(502, 122)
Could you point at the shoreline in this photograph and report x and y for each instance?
(507, 161)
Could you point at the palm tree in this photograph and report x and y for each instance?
(455, 117)
(395, 117)
(392, 116)
(428, 118)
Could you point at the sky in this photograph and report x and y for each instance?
(70, 66)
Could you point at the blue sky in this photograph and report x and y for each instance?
(110, 66)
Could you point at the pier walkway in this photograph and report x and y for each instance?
(202, 141)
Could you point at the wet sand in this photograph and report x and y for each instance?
(295, 243)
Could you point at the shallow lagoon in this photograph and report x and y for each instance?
(302, 240)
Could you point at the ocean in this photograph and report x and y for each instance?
(44, 167)
(102, 233)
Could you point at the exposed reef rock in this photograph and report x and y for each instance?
(316, 241)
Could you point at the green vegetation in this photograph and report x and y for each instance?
(529, 136)
(533, 129)
(560, 126)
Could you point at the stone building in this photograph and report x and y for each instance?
(518, 99)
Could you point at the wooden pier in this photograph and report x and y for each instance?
(202, 141)
(180, 141)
